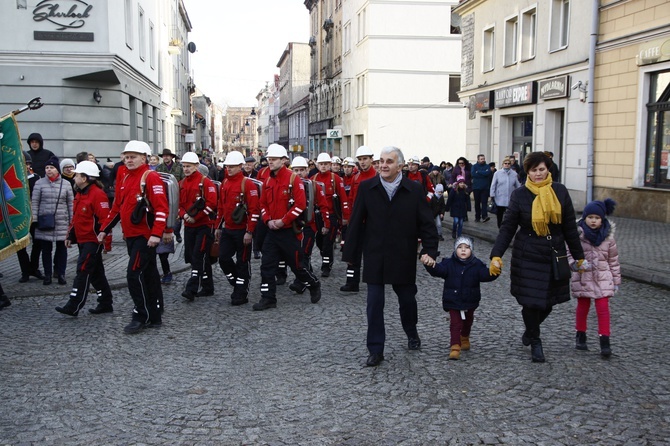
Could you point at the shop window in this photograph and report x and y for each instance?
(657, 173)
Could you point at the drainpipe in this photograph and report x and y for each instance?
(595, 20)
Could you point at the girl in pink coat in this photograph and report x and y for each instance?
(602, 280)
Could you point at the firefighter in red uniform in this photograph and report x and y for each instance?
(419, 176)
(91, 206)
(364, 156)
(142, 210)
(238, 214)
(350, 170)
(338, 208)
(259, 235)
(282, 202)
(197, 207)
(309, 231)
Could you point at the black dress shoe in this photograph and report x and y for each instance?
(374, 359)
(47, 280)
(264, 304)
(315, 293)
(23, 279)
(100, 310)
(134, 327)
(414, 343)
(61, 280)
(38, 275)
(350, 288)
(189, 295)
(67, 310)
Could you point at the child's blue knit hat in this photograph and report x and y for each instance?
(599, 208)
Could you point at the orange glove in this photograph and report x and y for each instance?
(496, 266)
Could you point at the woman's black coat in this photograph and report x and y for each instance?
(531, 272)
(386, 232)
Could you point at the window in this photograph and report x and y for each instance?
(489, 49)
(454, 87)
(346, 40)
(140, 34)
(455, 22)
(656, 172)
(152, 45)
(361, 25)
(347, 97)
(528, 33)
(560, 24)
(511, 40)
(360, 85)
(129, 23)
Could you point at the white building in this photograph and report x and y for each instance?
(520, 60)
(294, 69)
(401, 69)
(99, 71)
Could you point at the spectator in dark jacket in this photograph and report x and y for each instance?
(438, 206)
(38, 153)
(458, 206)
(481, 183)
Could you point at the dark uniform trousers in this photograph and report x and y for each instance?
(144, 282)
(237, 272)
(375, 310)
(282, 244)
(307, 246)
(259, 238)
(90, 271)
(197, 244)
(325, 242)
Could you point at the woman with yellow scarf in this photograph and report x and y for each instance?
(542, 212)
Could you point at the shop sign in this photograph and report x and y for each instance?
(66, 15)
(484, 101)
(519, 94)
(189, 138)
(557, 87)
(653, 52)
(297, 148)
(334, 134)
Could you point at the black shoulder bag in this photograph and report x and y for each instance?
(560, 268)
(48, 222)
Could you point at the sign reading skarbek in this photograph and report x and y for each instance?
(519, 94)
(66, 15)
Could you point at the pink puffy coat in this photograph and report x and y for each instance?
(605, 272)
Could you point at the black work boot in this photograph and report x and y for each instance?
(536, 353)
(70, 310)
(315, 292)
(605, 350)
(580, 342)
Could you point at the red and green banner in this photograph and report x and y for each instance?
(15, 212)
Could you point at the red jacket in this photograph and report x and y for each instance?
(190, 191)
(230, 196)
(425, 182)
(91, 206)
(334, 185)
(358, 179)
(348, 181)
(276, 195)
(128, 190)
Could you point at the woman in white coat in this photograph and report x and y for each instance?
(52, 195)
(504, 182)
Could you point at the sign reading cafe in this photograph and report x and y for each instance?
(66, 15)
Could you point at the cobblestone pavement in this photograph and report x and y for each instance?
(216, 374)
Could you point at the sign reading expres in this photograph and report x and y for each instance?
(516, 95)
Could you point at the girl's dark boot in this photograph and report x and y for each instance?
(536, 353)
(605, 350)
(580, 343)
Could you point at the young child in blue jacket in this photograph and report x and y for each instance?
(462, 274)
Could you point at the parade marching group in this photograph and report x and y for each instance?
(381, 209)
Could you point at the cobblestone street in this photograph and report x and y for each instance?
(217, 374)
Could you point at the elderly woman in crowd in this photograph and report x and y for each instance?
(541, 220)
(503, 184)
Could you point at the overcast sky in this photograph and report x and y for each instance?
(239, 43)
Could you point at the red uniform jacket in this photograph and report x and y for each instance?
(348, 181)
(231, 195)
(190, 191)
(418, 177)
(358, 179)
(128, 190)
(276, 195)
(334, 185)
(91, 206)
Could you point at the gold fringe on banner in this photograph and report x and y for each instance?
(16, 246)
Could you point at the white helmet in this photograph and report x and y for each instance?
(364, 151)
(336, 160)
(323, 158)
(413, 160)
(137, 147)
(190, 157)
(234, 158)
(299, 161)
(377, 156)
(348, 161)
(276, 151)
(88, 168)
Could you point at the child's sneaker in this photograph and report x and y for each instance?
(455, 352)
(167, 278)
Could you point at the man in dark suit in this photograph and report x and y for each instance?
(389, 216)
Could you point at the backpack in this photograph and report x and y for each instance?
(171, 187)
(308, 214)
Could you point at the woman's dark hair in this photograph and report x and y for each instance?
(534, 159)
(443, 164)
(465, 160)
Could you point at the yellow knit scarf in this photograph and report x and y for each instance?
(546, 207)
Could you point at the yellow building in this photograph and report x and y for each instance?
(632, 108)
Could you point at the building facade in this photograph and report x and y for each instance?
(632, 112)
(525, 76)
(101, 72)
(294, 70)
(268, 111)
